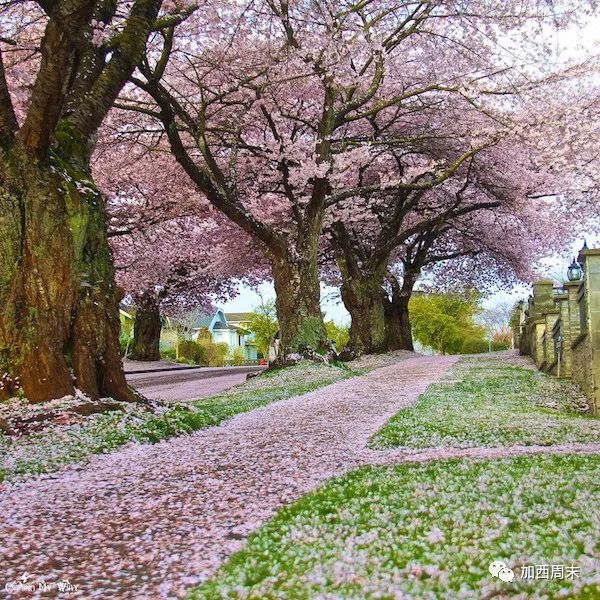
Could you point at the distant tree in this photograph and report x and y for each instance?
(338, 334)
(496, 321)
(496, 318)
(264, 325)
(444, 322)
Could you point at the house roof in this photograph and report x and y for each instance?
(238, 316)
(201, 319)
(217, 319)
(204, 319)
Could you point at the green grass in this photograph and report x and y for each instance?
(487, 403)
(427, 531)
(51, 448)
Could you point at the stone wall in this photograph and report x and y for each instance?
(560, 328)
(582, 366)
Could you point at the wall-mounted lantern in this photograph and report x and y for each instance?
(574, 272)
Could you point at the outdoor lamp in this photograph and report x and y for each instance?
(574, 271)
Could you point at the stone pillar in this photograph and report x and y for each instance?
(541, 303)
(538, 329)
(570, 324)
(550, 359)
(543, 298)
(525, 338)
(586, 313)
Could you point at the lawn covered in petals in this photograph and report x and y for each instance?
(487, 403)
(48, 450)
(427, 531)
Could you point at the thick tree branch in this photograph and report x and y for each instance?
(49, 91)
(89, 115)
(203, 178)
(8, 120)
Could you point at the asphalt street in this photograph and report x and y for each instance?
(189, 384)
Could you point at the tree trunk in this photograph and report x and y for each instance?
(363, 297)
(58, 301)
(301, 326)
(146, 331)
(398, 332)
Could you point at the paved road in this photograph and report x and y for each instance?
(189, 384)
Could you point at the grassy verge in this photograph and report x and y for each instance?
(48, 450)
(489, 403)
(427, 531)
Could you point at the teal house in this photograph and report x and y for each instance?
(229, 328)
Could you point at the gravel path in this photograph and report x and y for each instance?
(152, 520)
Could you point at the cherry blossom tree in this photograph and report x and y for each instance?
(272, 109)
(503, 198)
(418, 229)
(57, 292)
(452, 257)
(173, 253)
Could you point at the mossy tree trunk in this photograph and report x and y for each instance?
(146, 330)
(398, 332)
(59, 320)
(363, 296)
(296, 281)
(362, 292)
(59, 303)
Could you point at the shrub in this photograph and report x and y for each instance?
(237, 357)
(474, 345)
(338, 334)
(124, 343)
(213, 354)
(500, 345)
(168, 354)
(189, 350)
